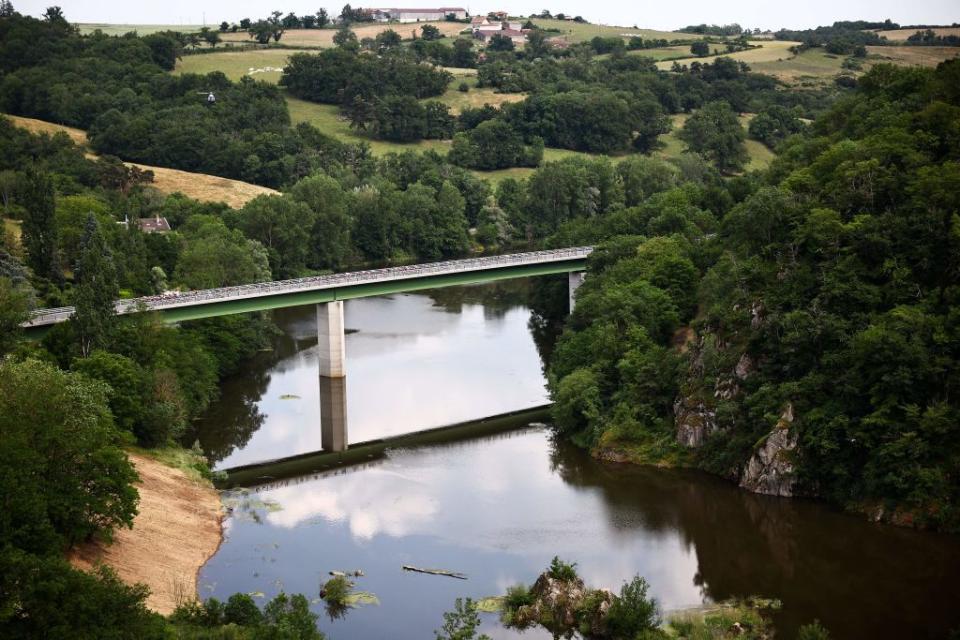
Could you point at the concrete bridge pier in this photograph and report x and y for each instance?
(333, 381)
(574, 280)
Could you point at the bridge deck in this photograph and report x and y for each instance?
(204, 303)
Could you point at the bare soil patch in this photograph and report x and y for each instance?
(176, 531)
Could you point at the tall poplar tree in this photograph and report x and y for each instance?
(39, 225)
(96, 290)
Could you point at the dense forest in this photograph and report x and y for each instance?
(801, 339)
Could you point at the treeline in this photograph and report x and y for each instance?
(840, 38)
(929, 38)
(732, 29)
(814, 307)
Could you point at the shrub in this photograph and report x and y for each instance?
(464, 87)
(336, 590)
(633, 613)
(560, 570)
(517, 596)
(242, 610)
(813, 631)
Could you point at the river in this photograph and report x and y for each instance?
(498, 508)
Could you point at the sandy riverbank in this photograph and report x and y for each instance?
(178, 528)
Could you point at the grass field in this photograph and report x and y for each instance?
(913, 56)
(261, 64)
(811, 67)
(324, 37)
(769, 51)
(580, 32)
(142, 29)
(675, 52)
(760, 156)
(896, 35)
(199, 186)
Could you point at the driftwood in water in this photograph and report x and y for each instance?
(347, 574)
(436, 572)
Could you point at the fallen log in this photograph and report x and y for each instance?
(435, 572)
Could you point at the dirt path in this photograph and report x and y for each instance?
(199, 186)
(176, 531)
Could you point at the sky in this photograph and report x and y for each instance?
(765, 14)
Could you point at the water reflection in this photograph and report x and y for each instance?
(499, 508)
(403, 354)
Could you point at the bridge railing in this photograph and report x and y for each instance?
(330, 281)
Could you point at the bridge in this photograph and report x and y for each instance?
(328, 292)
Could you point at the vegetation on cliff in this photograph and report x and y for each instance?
(822, 297)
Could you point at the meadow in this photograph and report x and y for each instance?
(580, 32)
(142, 29)
(913, 56)
(769, 50)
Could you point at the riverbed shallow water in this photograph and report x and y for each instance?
(498, 508)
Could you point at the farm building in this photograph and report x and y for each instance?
(417, 15)
(518, 37)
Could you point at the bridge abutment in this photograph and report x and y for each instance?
(574, 280)
(331, 351)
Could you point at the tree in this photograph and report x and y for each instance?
(224, 26)
(6, 9)
(430, 32)
(700, 48)
(323, 19)
(387, 39)
(346, 39)
(499, 42)
(461, 623)
(210, 36)
(537, 45)
(291, 21)
(262, 31)
(330, 243)
(96, 290)
(715, 132)
(282, 225)
(652, 123)
(54, 15)
(308, 21)
(245, 23)
(400, 119)
(39, 224)
(65, 476)
(633, 614)
(15, 304)
(215, 256)
(44, 597)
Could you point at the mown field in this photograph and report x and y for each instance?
(760, 155)
(261, 64)
(580, 32)
(810, 68)
(142, 29)
(913, 56)
(769, 51)
(899, 35)
(324, 37)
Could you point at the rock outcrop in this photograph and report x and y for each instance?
(564, 606)
(694, 420)
(771, 469)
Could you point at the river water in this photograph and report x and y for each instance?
(498, 508)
